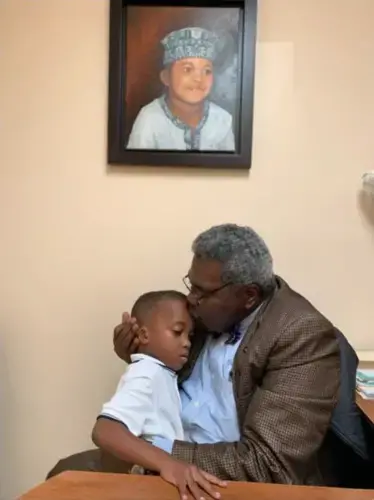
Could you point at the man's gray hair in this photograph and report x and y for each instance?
(245, 257)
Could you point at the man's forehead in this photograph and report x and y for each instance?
(205, 271)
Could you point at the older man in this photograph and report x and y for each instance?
(263, 376)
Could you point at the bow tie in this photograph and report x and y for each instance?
(235, 335)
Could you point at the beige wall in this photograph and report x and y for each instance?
(79, 242)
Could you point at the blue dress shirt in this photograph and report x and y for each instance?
(208, 404)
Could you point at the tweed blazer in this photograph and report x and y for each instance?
(286, 384)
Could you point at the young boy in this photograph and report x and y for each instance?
(184, 118)
(146, 404)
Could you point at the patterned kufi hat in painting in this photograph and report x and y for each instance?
(190, 42)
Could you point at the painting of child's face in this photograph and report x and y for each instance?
(189, 80)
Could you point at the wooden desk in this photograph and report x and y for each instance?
(367, 406)
(94, 486)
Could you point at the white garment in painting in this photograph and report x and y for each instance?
(156, 128)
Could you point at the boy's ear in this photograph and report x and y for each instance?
(143, 336)
(164, 77)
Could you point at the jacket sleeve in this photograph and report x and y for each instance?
(287, 416)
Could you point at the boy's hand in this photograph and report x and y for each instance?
(125, 337)
(189, 479)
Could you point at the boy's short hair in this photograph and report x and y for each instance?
(148, 301)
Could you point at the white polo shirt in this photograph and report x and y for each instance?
(147, 400)
(153, 129)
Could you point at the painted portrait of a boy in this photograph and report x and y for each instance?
(181, 83)
(184, 117)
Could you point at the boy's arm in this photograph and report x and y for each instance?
(132, 402)
(117, 440)
(122, 419)
(121, 422)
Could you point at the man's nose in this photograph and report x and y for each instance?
(192, 300)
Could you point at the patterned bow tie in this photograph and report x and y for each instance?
(235, 335)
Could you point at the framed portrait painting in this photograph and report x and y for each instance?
(181, 83)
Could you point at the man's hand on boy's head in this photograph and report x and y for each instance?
(125, 337)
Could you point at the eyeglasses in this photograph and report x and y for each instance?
(199, 293)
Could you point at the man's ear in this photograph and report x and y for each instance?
(165, 77)
(143, 336)
(253, 296)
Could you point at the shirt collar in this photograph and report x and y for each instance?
(238, 331)
(245, 324)
(140, 357)
(135, 358)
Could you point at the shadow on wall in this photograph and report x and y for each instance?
(9, 444)
(365, 201)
